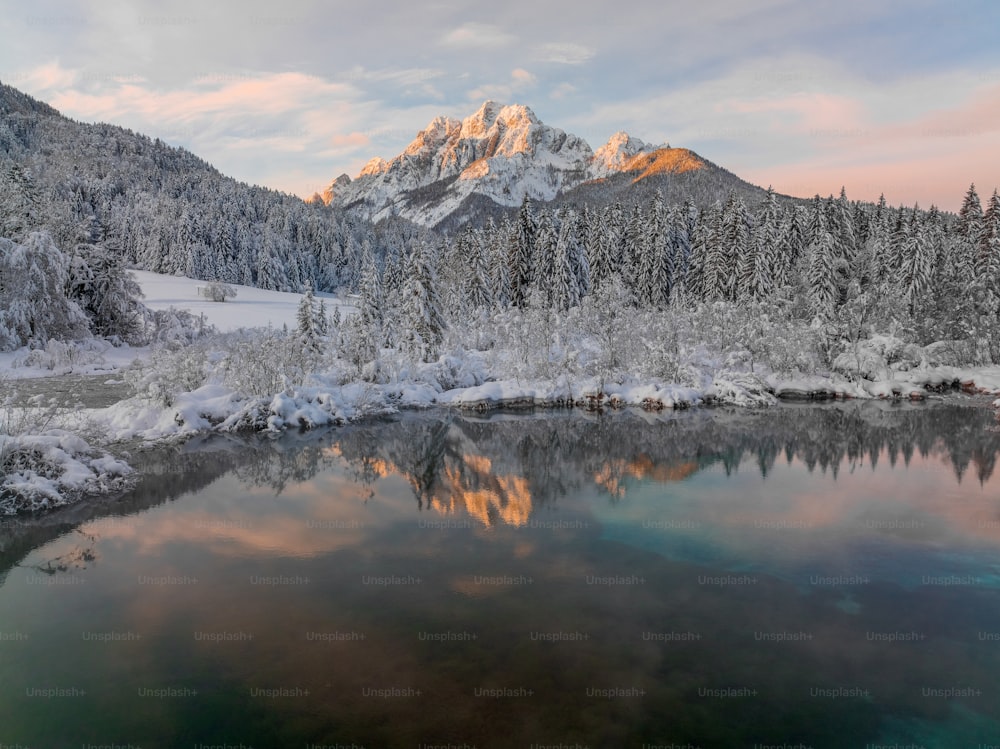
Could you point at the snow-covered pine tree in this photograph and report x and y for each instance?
(970, 218)
(594, 233)
(522, 254)
(990, 258)
(766, 244)
(656, 258)
(842, 226)
(569, 264)
(680, 227)
(497, 239)
(19, 203)
(917, 265)
(700, 281)
(99, 283)
(610, 256)
(322, 319)
(422, 320)
(731, 259)
(371, 306)
(821, 279)
(478, 290)
(306, 321)
(991, 229)
(544, 271)
(632, 242)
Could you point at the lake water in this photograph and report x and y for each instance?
(815, 576)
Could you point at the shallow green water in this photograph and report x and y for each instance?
(815, 576)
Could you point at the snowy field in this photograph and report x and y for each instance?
(250, 308)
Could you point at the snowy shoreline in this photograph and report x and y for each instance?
(58, 467)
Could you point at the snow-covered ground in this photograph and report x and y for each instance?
(250, 308)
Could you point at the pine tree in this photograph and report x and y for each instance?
(392, 280)
(681, 222)
(306, 321)
(990, 258)
(106, 291)
(610, 256)
(544, 270)
(843, 228)
(19, 203)
(372, 300)
(991, 229)
(970, 218)
(522, 254)
(499, 265)
(766, 243)
(478, 290)
(821, 281)
(917, 267)
(632, 244)
(730, 261)
(423, 322)
(701, 280)
(569, 265)
(594, 232)
(656, 259)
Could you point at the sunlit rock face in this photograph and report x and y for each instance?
(501, 152)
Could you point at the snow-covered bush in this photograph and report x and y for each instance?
(263, 363)
(176, 326)
(171, 370)
(65, 355)
(219, 292)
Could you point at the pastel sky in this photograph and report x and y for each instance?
(889, 96)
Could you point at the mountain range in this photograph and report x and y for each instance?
(456, 170)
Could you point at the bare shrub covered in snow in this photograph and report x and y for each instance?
(266, 362)
(170, 371)
(218, 291)
(60, 355)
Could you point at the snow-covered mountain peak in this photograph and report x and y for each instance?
(502, 152)
(431, 137)
(617, 152)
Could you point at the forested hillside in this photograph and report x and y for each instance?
(162, 208)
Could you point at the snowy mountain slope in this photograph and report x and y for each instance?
(456, 170)
(162, 208)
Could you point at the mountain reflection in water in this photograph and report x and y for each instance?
(817, 575)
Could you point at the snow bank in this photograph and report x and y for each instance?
(43, 471)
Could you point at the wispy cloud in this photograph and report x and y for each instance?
(481, 35)
(566, 53)
(563, 90)
(520, 81)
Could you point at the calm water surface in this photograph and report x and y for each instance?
(815, 576)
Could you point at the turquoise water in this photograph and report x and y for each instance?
(815, 576)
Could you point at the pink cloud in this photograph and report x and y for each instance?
(350, 140)
(930, 158)
(805, 112)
